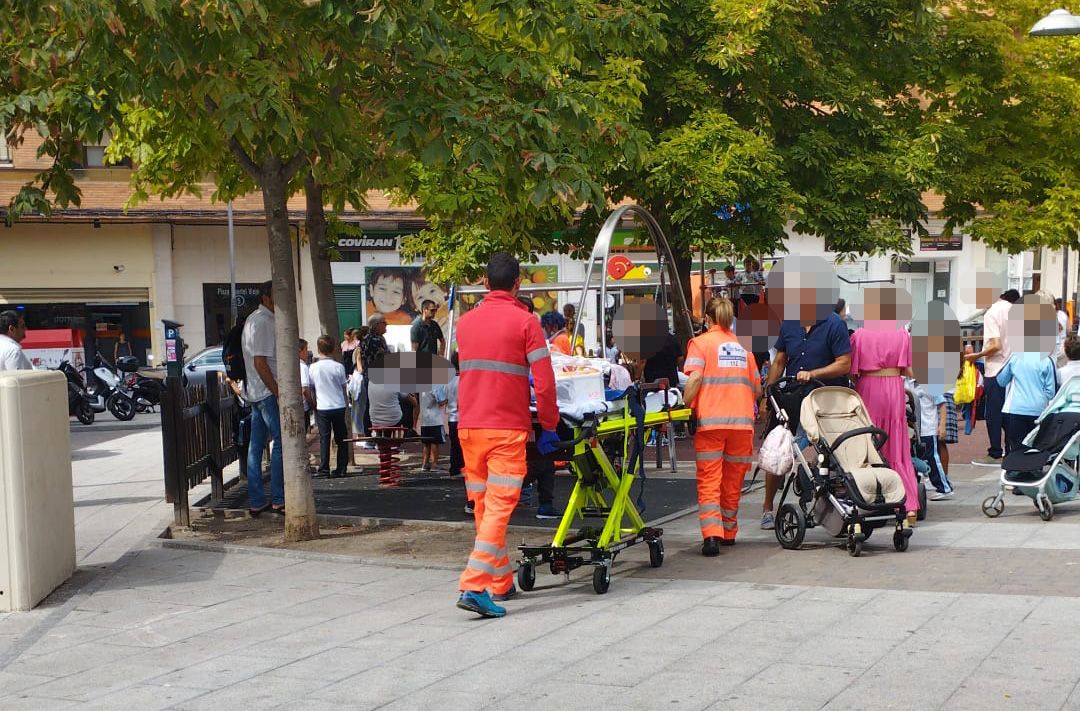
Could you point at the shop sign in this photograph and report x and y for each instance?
(371, 241)
(216, 296)
(941, 243)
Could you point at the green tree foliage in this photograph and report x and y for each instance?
(1004, 121)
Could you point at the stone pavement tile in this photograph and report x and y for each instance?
(689, 687)
(376, 687)
(11, 683)
(217, 672)
(857, 647)
(312, 639)
(433, 699)
(909, 608)
(1055, 535)
(1038, 651)
(815, 683)
(338, 663)
(559, 693)
(64, 636)
(755, 595)
(144, 697)
(136, 614)
(942, 533)
(1056, 610)
(29, 702)
(844, 595)
(71, 660)
(772, 702)
(983, 692)
(997, 534)
(801, 609)
(263, 691)
(907, 681)
(99, 680)
(495, 677)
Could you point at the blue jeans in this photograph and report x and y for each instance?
(995, 401)
(265, 424)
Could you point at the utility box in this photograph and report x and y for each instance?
(37, 513)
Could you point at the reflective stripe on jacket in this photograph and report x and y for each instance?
(729, 372)
(499, 344)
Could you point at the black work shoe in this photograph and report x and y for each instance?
(711, 547)
(727, 541)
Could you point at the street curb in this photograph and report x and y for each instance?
(165, 540)
(115, 428)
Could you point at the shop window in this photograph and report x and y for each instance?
(900, 266)
(5, 149)
(92, 155)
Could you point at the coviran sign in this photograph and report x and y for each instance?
(372, 241)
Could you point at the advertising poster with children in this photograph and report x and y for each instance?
(397, 293)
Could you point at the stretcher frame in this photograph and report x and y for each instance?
(623, 525)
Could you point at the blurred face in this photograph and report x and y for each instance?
(935, 348)
(388, 294)
(803, 289)
(982, 288)
(886, 307)
(1032, 327)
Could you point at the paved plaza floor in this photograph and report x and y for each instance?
(978, 614)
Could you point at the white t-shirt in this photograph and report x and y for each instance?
(431, 415)
(928, 411)
(1069, 370)
(305, 382)
(994, 327)
(451, 398)
(1063, 325)
(12, 356)
(328, 379)
(384, 407)
(258, 339)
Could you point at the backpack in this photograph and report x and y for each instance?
(232, 352)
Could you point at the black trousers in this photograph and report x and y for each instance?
(457, 459)
(1017, 428)
(328, 420)
(543, 473)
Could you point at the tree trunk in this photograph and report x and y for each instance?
(300, 521)
(315, 221)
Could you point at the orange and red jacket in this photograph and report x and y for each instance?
(499, 342)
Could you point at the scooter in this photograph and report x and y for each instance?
(104, 384)
(79, 405)
(144, 391)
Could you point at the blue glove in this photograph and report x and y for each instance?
(547, 442)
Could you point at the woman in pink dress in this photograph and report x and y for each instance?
(880, 360)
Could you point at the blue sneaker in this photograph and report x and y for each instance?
(480, 603)
(547, 511)
(526, 496)
(508, 595)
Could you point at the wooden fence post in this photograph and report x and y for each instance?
(174, 445)
(213, 432)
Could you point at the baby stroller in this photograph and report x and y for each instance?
(918, 456)
(1046, 469)
(851, 491)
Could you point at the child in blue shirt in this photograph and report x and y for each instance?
(1031, 381)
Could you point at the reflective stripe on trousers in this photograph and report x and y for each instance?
(723, 458)
(494, 471)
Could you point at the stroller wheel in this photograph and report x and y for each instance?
(526, 576)
(993, 506)
(790, 526)
(921, 516)
(656, 553)
(1046, 511)
(900, 541)
(854, 546)
(601, 579)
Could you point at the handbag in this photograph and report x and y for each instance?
(965, 385)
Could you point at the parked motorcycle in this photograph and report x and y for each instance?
(79, 405)
(104, 384)
(144, 391)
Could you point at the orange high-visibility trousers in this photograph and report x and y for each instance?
(494, 471)
(723, 458)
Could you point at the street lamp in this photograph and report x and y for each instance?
(1059, 23)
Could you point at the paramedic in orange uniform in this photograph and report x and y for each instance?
(722, 388)
(499, 343)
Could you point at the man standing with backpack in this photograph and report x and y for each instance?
(260, 390)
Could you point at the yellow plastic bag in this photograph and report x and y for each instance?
(965, 385)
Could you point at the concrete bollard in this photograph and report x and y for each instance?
(37, 513)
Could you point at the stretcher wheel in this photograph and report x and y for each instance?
(992, 506)
(900, 541)
(790, 526)
(656, 553)
(601, 579)
(1047, 511)
(526, 576)
(921, 516)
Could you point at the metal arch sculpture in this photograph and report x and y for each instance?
(601, 252)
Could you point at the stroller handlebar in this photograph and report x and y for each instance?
(880, 437)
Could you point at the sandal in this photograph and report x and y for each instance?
(278, 510)
(255, 513)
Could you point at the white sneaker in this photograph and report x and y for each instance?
(767, 521)
(941, 497)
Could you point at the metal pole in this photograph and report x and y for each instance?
(232, 266)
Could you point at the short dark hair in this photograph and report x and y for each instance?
(503, 269)
(326, 344)
(9, 320)
(527, 303)
(303, 344)
(266, 289)
(427, 304)
(1072, 348)
(729, 268)
(840, 304)
(1011, 295)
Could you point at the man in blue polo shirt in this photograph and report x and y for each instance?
(813, 343)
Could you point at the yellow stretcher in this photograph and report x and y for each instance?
(603, 492)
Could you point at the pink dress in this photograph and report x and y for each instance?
(879, 346)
